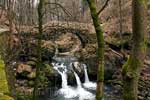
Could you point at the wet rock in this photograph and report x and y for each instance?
(140, 98)
(77, 67)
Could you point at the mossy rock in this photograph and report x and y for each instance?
(31, 63)
(3, 81)
(31, 83)
(48, 69)
(32, 75)
(5, 97)
(33, 59)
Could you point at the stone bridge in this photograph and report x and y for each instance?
(53, 30)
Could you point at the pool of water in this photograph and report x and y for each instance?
(85, 93)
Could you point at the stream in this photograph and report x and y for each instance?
(73, 93)
(81, 91)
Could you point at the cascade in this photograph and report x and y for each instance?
(70, 92)
(88, 84)
(86, 74)
(78, 80)
(66, 90)
(63, 75)
(36, 2)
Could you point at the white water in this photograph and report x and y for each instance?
(88, 84)
(82, 93)
(86, 74)
(36, 2)
(68, 91)
(63, 75)
(78, 80)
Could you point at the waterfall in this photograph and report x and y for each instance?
(36, 2)
(63, 74)
(70, 92)
(78, 80)
(86, 74)
(82, 93)
(56, 50)
(66, 90)
(64, 80)
(88, 84)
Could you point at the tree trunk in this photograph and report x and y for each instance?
(39, 50)
(131, 70)
(100, 51)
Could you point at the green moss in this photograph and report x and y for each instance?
(144, 45)
(100, 50)
(32, 63)
(99, 97)
(5, 97)
(32, 75)
(48, 68)
(130, 72)
(31, 83)
(100, 73)
(125, 66)
(3, 81)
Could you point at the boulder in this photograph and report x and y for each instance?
(23, 67)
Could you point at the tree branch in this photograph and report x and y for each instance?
(65, 11)
(104, 6)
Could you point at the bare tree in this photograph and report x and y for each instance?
(131, 70)
(39, 48)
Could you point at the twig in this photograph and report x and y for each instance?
(104, 6)
(119, 54)
(65, 11)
